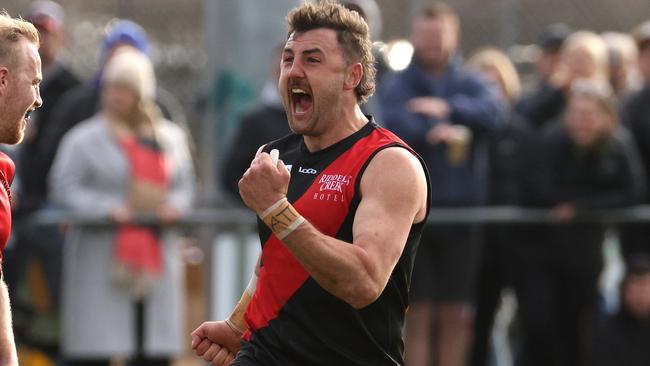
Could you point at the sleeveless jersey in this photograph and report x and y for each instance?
(291, 319)
(6, 177)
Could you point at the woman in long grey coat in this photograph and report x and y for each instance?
(104, 168)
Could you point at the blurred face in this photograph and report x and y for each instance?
(586, 122)
(119, 100)
(546, 64)
(51, 43)
(19, 92)
(312, 77)
(580, 63)
(636, 296)
(434, 41)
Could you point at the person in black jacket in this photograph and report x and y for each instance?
(267, 121)
(48, 17)
(42, 244)
(588, 162)
(550, 44)
(623, 337)
(583, 56)
(636, 116)
(507, 145)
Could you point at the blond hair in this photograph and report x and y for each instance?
(622, 43)
(132, 68)
(12, 30)
(490, 57)
(594, 45)
(352, 35)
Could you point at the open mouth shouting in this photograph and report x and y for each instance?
(28, 115)
(301, 101)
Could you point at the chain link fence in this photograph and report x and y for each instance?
(191, 39)
(510, 23)
(507, 22)
(175, 32)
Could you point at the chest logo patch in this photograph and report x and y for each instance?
(307, 170)
(331, 187)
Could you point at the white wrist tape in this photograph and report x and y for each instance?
(294, 225)
(269, 210)
(282, 218)
(252, 284)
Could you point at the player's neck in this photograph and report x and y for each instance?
(349, 121)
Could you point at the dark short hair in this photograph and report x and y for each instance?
(352, 35)
(553, 36)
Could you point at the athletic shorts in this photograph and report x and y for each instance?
(246, 356)
(446, 264)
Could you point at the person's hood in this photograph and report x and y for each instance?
(124, 32)
(120, 32)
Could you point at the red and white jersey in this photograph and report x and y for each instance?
(7, 169)
(291, 318)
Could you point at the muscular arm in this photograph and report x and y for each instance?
(393, 191)
(7, 346)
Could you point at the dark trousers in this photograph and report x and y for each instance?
(44, 244)
(33, 241)
(246, 356)
(494, 276)
(634, 239)
(556, 282)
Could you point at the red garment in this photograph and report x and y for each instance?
(7, 169)
(291, 319)
(138, 248)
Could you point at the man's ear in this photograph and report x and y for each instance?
(353, 76)
(4, 79)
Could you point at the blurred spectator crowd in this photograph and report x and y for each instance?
(579, 139)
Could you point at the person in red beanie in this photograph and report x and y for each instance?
(20, 76)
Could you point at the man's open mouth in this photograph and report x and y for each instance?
(301, 100)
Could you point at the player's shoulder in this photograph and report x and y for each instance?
(397, 177)
(390, 152)
(396, 158)
(395, 166)
(7, 167)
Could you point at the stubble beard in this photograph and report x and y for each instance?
(11, 133)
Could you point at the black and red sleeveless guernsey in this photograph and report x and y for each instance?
(291, 319)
